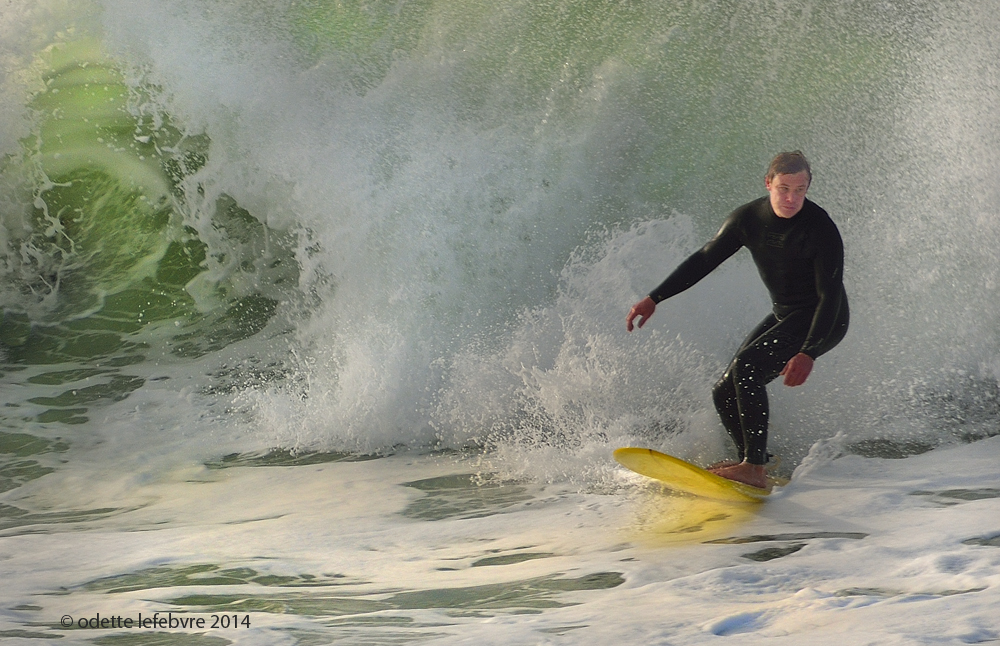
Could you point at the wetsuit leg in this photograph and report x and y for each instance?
(724, 393)
(741, 395)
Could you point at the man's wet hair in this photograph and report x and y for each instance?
(789, 164)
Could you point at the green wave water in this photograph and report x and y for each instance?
(104, 265)
(103, 250)
(106, 177)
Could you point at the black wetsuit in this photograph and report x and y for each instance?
(801, 261)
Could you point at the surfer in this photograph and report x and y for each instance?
(800, 257)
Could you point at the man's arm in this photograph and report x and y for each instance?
(829, 271)
(829, 267)
(701, 263)
(698, 265)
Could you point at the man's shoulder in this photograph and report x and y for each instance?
(818, 214)
(753, 207)
(751, 212)
(811, 206)
(823, 229)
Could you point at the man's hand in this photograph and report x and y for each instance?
(797, 369)
(643, 309)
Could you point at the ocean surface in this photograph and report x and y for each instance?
(313, 321)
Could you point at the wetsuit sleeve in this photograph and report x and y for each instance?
(829, 265)
(701, 263)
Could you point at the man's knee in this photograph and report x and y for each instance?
(724, 392)
(746, 372)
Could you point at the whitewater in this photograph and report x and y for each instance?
(314, 322)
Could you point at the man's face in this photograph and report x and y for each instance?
(788, 193)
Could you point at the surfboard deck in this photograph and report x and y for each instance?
(685, 477)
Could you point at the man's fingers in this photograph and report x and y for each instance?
(797, 370)
(642, 311)
(630, 319)
(794, 376)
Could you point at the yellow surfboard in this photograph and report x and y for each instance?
(686, 477)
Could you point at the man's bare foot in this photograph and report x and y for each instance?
(720, 464)
(751, 474)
